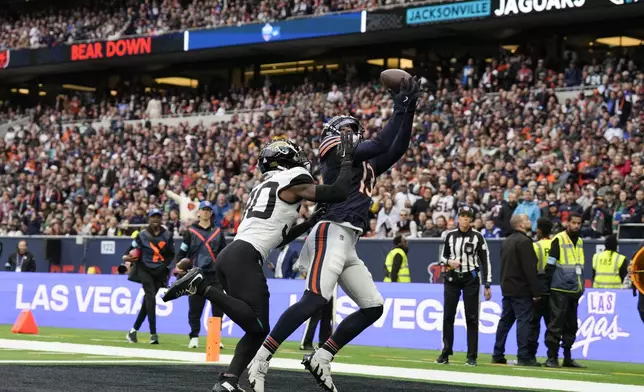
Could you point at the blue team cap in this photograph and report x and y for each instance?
(155, 211)
(205, 204)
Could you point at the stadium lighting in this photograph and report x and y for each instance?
(42, 93)
(23, 91)
(178, 81)
(620, 41)
(79, 88)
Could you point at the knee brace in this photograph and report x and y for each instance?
(373, 314)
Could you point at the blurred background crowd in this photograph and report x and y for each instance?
(493, 135)
(36, 27)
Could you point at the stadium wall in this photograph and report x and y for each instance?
(104, 253)
(608, 319)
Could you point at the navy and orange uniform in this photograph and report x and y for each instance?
(202, 245)
(370, 159)
(156, 250)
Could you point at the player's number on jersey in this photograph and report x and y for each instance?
(368, 179)
(261, 201)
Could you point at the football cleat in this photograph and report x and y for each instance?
(257, 374)
(154, 339)
(194, 343)
(131, 337)
(227, 384)
(321, 371)
(185, 286)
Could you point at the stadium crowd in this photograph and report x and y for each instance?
(67, 23)
(502, 144)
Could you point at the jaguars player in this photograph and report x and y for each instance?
(329, 251)
(272, 209)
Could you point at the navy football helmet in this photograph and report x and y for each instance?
(334, 126)
(282, 155)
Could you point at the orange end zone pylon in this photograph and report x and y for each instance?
(25, 323)
(213, 339)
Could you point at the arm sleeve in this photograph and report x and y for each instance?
(395, 268)
(399, 146)
(529, 264)
(339, 190)
(297, 231)
(173, 196)
(446, 250)
(553, 256)
(370, 149)
(484, 262)
(184, 247)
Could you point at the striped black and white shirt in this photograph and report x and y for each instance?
(470, 248)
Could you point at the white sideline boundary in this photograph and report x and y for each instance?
(342, 368)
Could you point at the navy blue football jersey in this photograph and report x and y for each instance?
(355, 209)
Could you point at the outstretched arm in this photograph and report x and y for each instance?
(400, 145)
(334, 193)
(379, 145)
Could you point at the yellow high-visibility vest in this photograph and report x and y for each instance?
(403, 272)
(606, 265)
(570, 266)
(542, 249)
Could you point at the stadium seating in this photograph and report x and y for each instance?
(118, 18)
(479, 137)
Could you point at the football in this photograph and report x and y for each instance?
(391, 78)
(135, 253)
(184, 264)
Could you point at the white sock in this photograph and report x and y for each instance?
(132, 330)
(263, 354)
(324, 355)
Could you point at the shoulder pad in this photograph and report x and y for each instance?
(328, 143)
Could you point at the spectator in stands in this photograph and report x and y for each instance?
(490, 230)
(22, 260)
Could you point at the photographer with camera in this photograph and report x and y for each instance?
(201, 244)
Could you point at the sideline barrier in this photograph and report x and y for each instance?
(104, 253)
(610, 326)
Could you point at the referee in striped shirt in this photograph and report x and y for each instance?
(467, 262)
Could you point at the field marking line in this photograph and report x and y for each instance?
(342, 368)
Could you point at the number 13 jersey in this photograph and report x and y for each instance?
(267, 217)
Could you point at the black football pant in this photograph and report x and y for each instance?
(325, 317)
(541, 310)
(196, 303)
(517, 309)
(240, 272)
(562, 328)
(152, 281)
(470, 286)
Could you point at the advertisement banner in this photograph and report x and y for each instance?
(503, 8)
(104, 254)
(448, 12)
(96, 50)
(609, 324)
(258, 33)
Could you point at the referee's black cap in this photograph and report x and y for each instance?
(466, 211)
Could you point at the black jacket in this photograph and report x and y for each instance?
(503, 220)
(27, 262)
(519, 267)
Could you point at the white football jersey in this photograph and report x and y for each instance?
(268, 218)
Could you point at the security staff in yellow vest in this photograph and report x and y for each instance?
(609, 267)
(564, 269)
(541, 309)
(396, 264)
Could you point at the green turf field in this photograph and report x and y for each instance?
(597, 371)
